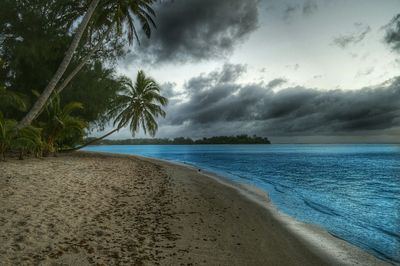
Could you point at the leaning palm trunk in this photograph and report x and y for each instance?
(93, 141)
(41, 101)
(83, 62)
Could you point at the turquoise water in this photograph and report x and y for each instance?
(353, 191)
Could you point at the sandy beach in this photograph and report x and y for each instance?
(97, 209)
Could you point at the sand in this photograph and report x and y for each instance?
(97, 209)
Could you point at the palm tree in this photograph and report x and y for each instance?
(138, 106)
(123, 13)
(61, 125)
(27, 139)
(11, 99)
(41, 101)
(127, 9)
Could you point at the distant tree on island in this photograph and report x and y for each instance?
(239, 139)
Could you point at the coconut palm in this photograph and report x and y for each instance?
(122, 13)
(138, 106)
(61, 125)
(114, 15)
(11, 99)
(27, 139)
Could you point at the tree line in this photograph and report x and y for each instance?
(239, 139)
(57, 73)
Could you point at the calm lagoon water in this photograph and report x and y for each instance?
(353, 191)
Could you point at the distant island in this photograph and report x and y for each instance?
(239, 139)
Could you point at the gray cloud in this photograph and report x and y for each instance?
(307, 8)
(294, 67)
(168, 89)
(353, 38)
(198, 30)
(365, 72)
(392, 36)
(214, 105)
(290, 10)
(276, 82)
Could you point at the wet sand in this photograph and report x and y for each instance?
(98, 209)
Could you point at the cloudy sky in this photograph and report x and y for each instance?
(292, 70)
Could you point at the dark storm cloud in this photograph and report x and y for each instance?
(345, 40)
(219, 104)
(392, 36)
(198, 30)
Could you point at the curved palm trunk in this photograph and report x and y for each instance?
(83, 62)
(41, 101)
(93, 141)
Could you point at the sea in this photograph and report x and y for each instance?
(352, 191)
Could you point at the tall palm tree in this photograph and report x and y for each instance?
(124, 12)
(114, 15)
(138, 106)
(41, 101)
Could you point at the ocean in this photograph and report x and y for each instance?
(353, 191)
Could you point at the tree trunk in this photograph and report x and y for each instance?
(41, 101)
(93, 141)
(83, 62)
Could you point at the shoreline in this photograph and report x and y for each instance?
(88, 208)
(332, 249)
(335, 250)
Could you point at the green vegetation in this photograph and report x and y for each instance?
(110, 14)
(6, 135)
(60, 128)
(57, 77)
(28, 139)
(240, 139)
(137, 106)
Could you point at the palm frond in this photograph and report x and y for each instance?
(139, 105)
(12, 99)
(71, 107)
